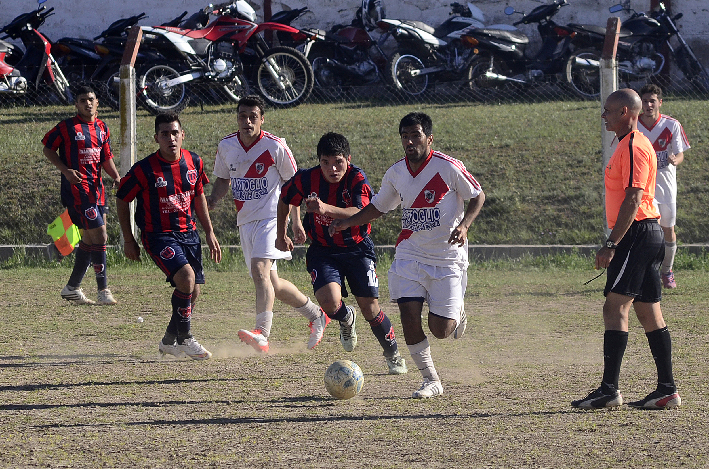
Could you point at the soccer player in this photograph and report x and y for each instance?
(333, 190)
(669, 141)
(431, 258)
(169, 189)
(632, 254)
(80, 148)
(255, 164)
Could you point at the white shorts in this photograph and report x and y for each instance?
(443, 288)
(668, 214)
(258, 241)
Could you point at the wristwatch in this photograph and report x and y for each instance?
(610, 244)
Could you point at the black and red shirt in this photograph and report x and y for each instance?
(84, 147)
(165, 191)
(352, 191)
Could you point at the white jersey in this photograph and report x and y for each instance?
(256, 173)
(433, 204)
(667, 138)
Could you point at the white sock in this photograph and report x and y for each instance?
(670, 251)
(264, 321)
(310, 311)
(421, 354)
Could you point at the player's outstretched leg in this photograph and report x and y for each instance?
(258, 337)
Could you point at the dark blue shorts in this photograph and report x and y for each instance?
(635, 268)
(171, 251)
(355, 264)
(87, 217)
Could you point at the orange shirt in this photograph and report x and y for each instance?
(633, 164)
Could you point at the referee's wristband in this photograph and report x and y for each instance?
(610, 244)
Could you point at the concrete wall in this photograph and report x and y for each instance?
(87, 18)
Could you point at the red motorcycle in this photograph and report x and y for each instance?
(34, 68)
(229, 54)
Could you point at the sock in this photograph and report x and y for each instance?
(614, 343)
(82, 261)
(342, 314)
(384, 332)
(310, 311)
(181, 314)
(98, 258)
(670, 251)
(421, 354)
(661, 348)
(264, 321)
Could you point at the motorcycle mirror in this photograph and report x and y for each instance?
(39, 2)
(616, 8)
(509, 10)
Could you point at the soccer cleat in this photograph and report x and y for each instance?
(194, 350)
(170, 349)
(668, 280)
(658, 400)
(428, 389)
(317, 328)
(396, 364)
(76, 296)
(460, 330)
(348, 334)
(598, 400)
(105, 297)
(254, 338)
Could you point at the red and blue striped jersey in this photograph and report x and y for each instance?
(352, 191)
(82, 146)
(164, 191)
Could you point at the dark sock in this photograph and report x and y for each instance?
(82, 261)
(181, 314)
(341, 313)
(384, 332)
(98, 258)
(614, 343)
(661, 348)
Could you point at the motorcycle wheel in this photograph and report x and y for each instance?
(61, 84)
(692, 70)
(155, 95)
(231, 92)
(109, 86)
(482, 87)
(284, 77)
(583, 73)
(328, 85)
(399, 73)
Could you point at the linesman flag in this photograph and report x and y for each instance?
(64, 233)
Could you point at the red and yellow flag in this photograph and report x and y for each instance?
(64, 233)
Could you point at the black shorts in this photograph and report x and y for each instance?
(357, 264)
(635, 268)
(173, 250)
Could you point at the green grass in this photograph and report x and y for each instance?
(539, 164)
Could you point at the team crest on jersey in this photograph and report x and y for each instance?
(160, 182)
(167, 253)
(259, 168)
(91, 213)
(662, 142)
(347, 197)
(192, 177)
(79, 136)
(101, 135)
(429, 195)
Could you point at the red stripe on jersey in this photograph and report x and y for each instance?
(283, 144)
(461, 167)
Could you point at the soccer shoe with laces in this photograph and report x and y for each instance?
(194, 350)
(76, 296)
(105, 297)
(428, 389)
(170, 349)
(668, 280)
(598, 399)
(348, 334)
(460, 330)
(658, 400)
(317, 328)
(254, 338)
(396, 364)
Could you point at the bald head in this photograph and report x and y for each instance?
(621, 111)
(626, 98)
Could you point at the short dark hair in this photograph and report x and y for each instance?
(651, 88)
(414, 118)
(166, 118)
(333, 144)
(253, 100)
(83, 89)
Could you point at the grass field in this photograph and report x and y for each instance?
(84, 386)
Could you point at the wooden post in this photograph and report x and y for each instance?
(609, 83)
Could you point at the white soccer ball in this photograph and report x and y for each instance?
(344, 379)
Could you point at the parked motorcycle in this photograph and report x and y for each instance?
(223, 54)
(640, 51)
(36, 66)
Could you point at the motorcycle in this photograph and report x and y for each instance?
(222, 54)
(639, 56)
(35, 66)
(502, 60)
(424, 51)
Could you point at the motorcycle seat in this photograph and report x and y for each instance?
(596, 30)
(516, 37)
(420, 25)
(334, 37)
